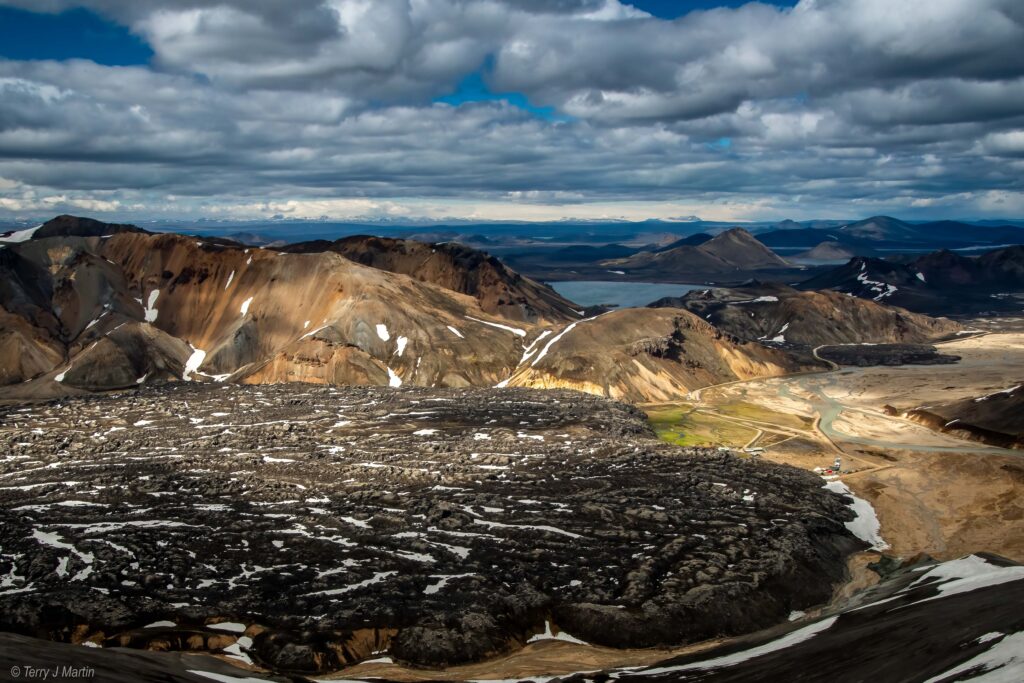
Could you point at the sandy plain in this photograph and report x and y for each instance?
(933, 493)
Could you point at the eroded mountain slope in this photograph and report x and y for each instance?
(646, 355)
(237, 312)
(500, 290)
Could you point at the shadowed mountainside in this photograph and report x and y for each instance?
(996, 418)
(942, 281)
(779, 314)
(952, 621)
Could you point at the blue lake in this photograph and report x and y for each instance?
(622, 294)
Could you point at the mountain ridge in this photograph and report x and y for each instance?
(92, 313)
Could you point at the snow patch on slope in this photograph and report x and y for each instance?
(866, 526)
(193, 363)
(514, 330)
(554, 340)
(20, 235)
(549, 635)
(60, 378)
(786, 641)
(150, 312)
(996, 393)
(1001, 663)
(884, 289)
(967, 574)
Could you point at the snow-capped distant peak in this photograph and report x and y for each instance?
(19, 236)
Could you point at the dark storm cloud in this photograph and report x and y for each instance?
(915, 104)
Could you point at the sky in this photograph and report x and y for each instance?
(511, 109)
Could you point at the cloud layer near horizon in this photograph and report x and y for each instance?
(328, 107)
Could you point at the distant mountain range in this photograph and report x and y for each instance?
(785, 234)
(886, 233)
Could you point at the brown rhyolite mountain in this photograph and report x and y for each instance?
(122, 307)
(498, 289)
(647, 354)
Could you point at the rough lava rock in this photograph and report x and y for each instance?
(306, 528)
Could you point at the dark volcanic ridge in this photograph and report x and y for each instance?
(305, 528)
(869, 355)
(777, 314)
(941, 282)
(953, 621)
(996, 418)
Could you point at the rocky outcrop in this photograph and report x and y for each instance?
(310, 527)
(956, 620)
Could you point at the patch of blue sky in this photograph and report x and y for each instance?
(673, 9)
(472, 88)
(73, 34)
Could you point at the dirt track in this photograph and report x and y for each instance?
(933, 493)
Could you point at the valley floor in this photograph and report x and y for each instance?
(933, 493)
